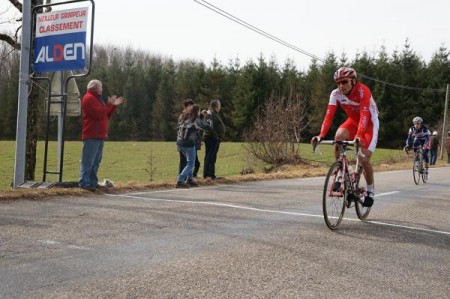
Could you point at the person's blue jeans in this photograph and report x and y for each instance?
(433, 157)
(190, 153)
(91, 156)
(183, 163)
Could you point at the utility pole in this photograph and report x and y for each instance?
(22, 106)
(444, 122)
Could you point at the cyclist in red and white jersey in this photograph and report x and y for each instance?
(362, 123)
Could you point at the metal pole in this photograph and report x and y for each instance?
(22, 106)
(444, 123)
(60, 125)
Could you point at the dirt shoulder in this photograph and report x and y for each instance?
(284, 172)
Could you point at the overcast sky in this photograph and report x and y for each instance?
(185, 29)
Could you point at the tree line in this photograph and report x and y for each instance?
(154, 86)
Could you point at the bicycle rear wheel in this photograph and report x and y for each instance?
(333, 203)
(416, 172)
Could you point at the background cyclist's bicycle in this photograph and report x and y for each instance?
(419, 171)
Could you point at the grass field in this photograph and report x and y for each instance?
(152, 161)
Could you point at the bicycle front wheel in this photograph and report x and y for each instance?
(334, 196)
(424, 175)
(416, 172)
(361, 211)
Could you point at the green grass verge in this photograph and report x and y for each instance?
(151, 161)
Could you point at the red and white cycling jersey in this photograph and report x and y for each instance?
(361, 110)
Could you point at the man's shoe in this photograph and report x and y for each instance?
(350, 199)
(89, 188)
(216, 177)
(182, 185)
(101, 188)
(368, 200)
(192, 183)
(336, 186)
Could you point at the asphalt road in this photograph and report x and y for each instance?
(252, 240)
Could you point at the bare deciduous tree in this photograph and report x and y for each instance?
(276, 134)
(31, 138)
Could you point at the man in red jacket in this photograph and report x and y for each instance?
(96, 113)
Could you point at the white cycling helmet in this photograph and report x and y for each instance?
(344, 73)
(417, 119)
(434, 133)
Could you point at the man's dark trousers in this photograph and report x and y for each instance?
(211, 148)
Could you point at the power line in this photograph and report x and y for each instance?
(255, 29)
(403, 86)
(295, 48)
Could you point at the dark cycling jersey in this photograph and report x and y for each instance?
(421, 135)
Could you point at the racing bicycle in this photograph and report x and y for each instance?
(341, 189)
(418, 165)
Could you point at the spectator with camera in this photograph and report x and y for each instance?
(212, 139)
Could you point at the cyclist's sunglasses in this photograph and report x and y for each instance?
(343, 82)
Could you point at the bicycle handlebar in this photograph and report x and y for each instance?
(342, 142)
(316, 142)
(408, 148)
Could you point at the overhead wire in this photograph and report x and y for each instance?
(403, 86)
(295, 48)
(255, 29)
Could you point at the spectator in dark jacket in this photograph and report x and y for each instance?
(434, 146)
(212, 139)
(95, 114)
(447, 146)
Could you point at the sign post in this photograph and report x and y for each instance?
(59, 44)
(444, 123)
(22, 106)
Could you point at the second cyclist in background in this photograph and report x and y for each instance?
(362, 123)
(419, 135)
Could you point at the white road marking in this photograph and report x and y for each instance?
(206, 187)
(78, 247)
(387, 193)
(51, 242)
(171, 190)
(48, 242)
(280, 212)
(216, 204)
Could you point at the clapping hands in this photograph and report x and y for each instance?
(114, 100)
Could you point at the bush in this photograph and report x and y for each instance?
(276, 135)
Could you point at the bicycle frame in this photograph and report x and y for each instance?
(342, 186)
(418, 151)
(355, 175)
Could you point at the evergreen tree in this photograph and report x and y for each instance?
(9, 76)
(165, 114)
(321, 83)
